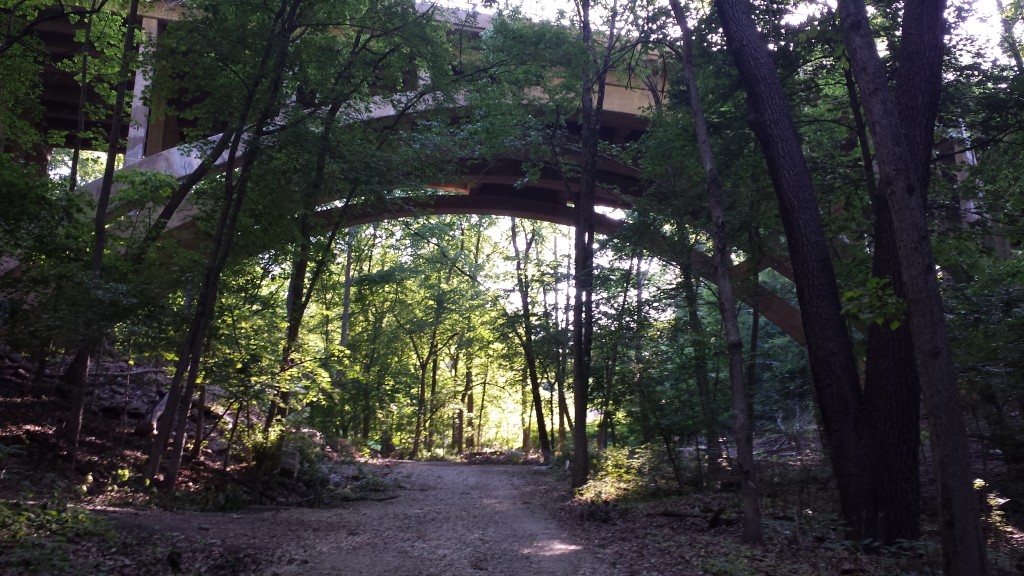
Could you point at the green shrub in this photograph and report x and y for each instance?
(621, 473)
(37, 539)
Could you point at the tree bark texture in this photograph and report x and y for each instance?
(77, 372)
(595, 75)
(583, 268)
(901, 148)
(892, 392)
(833, 367)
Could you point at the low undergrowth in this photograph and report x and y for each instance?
(656, 522)
(38, 538)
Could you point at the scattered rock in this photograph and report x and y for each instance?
(314, 435)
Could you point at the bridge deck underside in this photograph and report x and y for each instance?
(493, 187)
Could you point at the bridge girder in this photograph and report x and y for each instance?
(496, 190)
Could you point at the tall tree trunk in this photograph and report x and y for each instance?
(464, 415)
(470, 419)
(197, 446)
(294, 312)
(892, 392)
(180, 431)
(830, 351)
(902, 125)
(114, 142)
(523, 287)
(424, 358)
(300, 292)
(526, 418)
(607, 424)
(592, 103)
(79, 368)
(701, 366)
(562, 369)
(480, 417)
(187, 368)
(76, 377)
(727, 301)
(431, 422)
(421, 409)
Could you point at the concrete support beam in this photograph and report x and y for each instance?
(138, 131)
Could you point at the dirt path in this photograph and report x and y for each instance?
(446, 519)
(449, 519)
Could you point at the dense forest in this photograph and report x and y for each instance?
(802, 241)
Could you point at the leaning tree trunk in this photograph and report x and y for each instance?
(892, 391)
(830, 351)
(698, 343)
(270, 70)
(187, 368)
(300, 292)
(727, 301)
(295, 312)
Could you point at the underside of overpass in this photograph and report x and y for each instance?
(155, 142)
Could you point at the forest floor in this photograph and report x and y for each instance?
(349, 516)
(443, 518)
(434, 519)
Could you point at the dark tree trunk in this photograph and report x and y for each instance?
(300, 292)
(830, 351)
(76, 377)
(294, 314)
(180, 432)
(902, 127)
(583, 270)
(480, 416)
(561, 372)
(595, 75)
(424, 360)
(431, 422)
(114, 142)
(421, 408)
(470, 423)
(727, 301)
(197, 446)
(179, 395)
(891, 391)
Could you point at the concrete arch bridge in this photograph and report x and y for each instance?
(155, 143)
